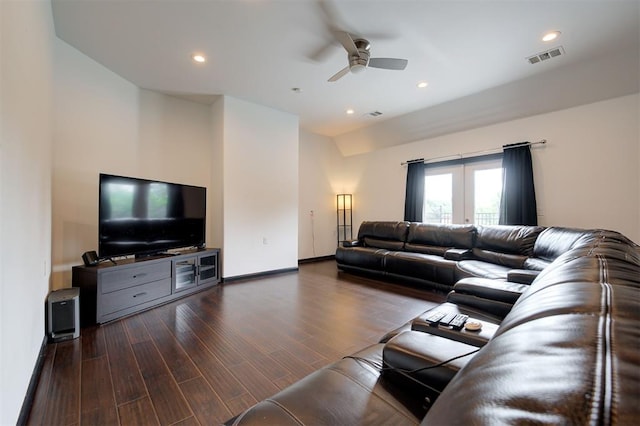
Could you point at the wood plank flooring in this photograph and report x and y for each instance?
(206, 358)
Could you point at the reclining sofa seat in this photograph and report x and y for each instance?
(497, 295)
(498, 250)
(375, 240)
(565, 354)
(430, 254)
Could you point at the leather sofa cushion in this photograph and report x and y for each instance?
(419, 248)
(458, 254)
(384, 244)
(518, 240)
(522, 276)
(502, 291)
(424, 266)
(513, 261)
(552, 242)
(430, 234)
(478, 268)
(494, 307)
(348, 392)
(536, 264)
(362, 257)
(391, 231)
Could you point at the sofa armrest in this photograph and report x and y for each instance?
(423, 363)
(522, 276)
(352, 243)
(458, 254)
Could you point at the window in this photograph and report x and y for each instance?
(438, 198)
(487, 189)
(463, 193)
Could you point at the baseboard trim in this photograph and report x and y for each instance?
(316, 259)
(228, 280)
(33, 384)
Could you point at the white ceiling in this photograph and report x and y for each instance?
(258, 50)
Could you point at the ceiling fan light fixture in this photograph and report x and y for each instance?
(357, 68)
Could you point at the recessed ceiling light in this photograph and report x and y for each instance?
(199, 58)
(296, 90)
(552, 35)
(350, 111)
(422, 84)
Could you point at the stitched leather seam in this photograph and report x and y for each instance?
(331, 368)
(283, 408)
(601, 390)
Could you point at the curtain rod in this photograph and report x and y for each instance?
(474, 153)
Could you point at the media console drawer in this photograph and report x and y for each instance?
(111, 291)
(118, 279)
(133, 296)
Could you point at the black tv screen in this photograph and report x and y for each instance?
(145, 217)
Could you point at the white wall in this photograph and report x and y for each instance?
(586, 176)
(321, 177)
(103, 123)
(215, 196)
(260, 189)
(26, 33)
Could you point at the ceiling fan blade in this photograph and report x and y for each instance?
(388, 63)
(339, 74)
(346, 41)
(323, 52)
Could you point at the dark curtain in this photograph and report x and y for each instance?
(518, 201)
(414, 198)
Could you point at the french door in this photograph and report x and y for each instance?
(463, 193)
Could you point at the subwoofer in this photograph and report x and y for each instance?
(63, 314)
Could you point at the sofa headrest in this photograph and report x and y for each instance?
(431, 234)
(508, 239)
(554, 241)
(390, 235)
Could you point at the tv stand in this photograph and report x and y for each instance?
(109, 292)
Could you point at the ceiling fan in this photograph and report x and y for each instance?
(358, 55)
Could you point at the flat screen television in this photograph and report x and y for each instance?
(146, 217)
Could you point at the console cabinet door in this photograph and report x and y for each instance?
(208, 269)
(185, 273)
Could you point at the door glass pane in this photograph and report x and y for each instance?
(487, 193)
(438, 195)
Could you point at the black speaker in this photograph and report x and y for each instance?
(63, 314)
(90, 258)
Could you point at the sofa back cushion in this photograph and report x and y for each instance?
(381, 234)
(552, 242)
(508, 245)
(431, 238)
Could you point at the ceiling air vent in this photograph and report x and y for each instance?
(543, 56)
(375, 113)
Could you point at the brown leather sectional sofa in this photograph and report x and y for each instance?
(565, 353)
(438, 256)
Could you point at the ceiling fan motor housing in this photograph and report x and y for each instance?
(357, 63)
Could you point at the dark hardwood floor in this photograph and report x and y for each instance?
(205, 358)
